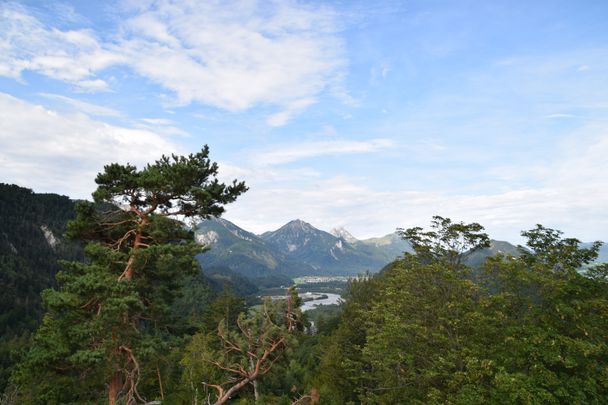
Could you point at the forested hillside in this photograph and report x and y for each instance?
(31, 241)
(403, 202)
(32, 228)
(462, 319)
(527, 329)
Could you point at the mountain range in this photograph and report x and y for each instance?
(31, 241)
(295, 249)
(299, 249)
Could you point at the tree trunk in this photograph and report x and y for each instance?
(128, 273)
(226, 396)
(256, 394)
(160, 383)
(114, 388)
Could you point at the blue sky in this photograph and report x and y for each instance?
(348, 114)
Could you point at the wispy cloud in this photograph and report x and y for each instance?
(369, 212)
(570, 194)
(306, 150)
(73, 56)
(158, 121)
(231, 56)
(163, 126)
(83, 106)
(237, 55)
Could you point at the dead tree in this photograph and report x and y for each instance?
(250, 351)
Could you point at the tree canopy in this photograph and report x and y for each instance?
(521, 329)
(110, 320)
(517, 332)
(446, 241)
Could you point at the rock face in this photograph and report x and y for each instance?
(343, 234)
(49, 236)
(295, 249)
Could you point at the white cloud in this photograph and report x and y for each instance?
(228, 55)
(91, 86)
(163, 126)
(158, 121)
(368, 212)
(304, 150)
(571, 195)
(72, 56)
(62, 153)
(552, 116)
(83, 106)
(237, 55)
(293, 108)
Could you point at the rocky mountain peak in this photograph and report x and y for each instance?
(342, 233)
(298, 236)
(298, 224)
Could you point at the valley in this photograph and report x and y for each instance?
(238, 269)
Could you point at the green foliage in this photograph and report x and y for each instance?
(325, 318)
(28, 263)
(197, 369)
(252, 350)
(520, 333)
(546, 246)
(85, 326)
(342, 364)
(226, 307)
(139, 316)
(175, 185)
(446, 241)
(111, 320)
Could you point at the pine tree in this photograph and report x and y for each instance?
(110, 318)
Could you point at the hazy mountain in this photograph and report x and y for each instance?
(388, 246)
(340, 232)
(327, 253)
(298, 239)
(602, 256)
(391, 245)
(478, 257)
(295, 249)
(241, 251)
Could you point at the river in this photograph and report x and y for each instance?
(308, 305)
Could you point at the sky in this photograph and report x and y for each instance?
(366, 115)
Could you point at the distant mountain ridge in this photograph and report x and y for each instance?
(298, 248)
(602, 254)
(478, 257)
(295, 249)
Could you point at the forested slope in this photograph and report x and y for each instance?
(31, 242)
(523, 326)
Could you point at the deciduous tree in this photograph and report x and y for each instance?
(447, 241)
